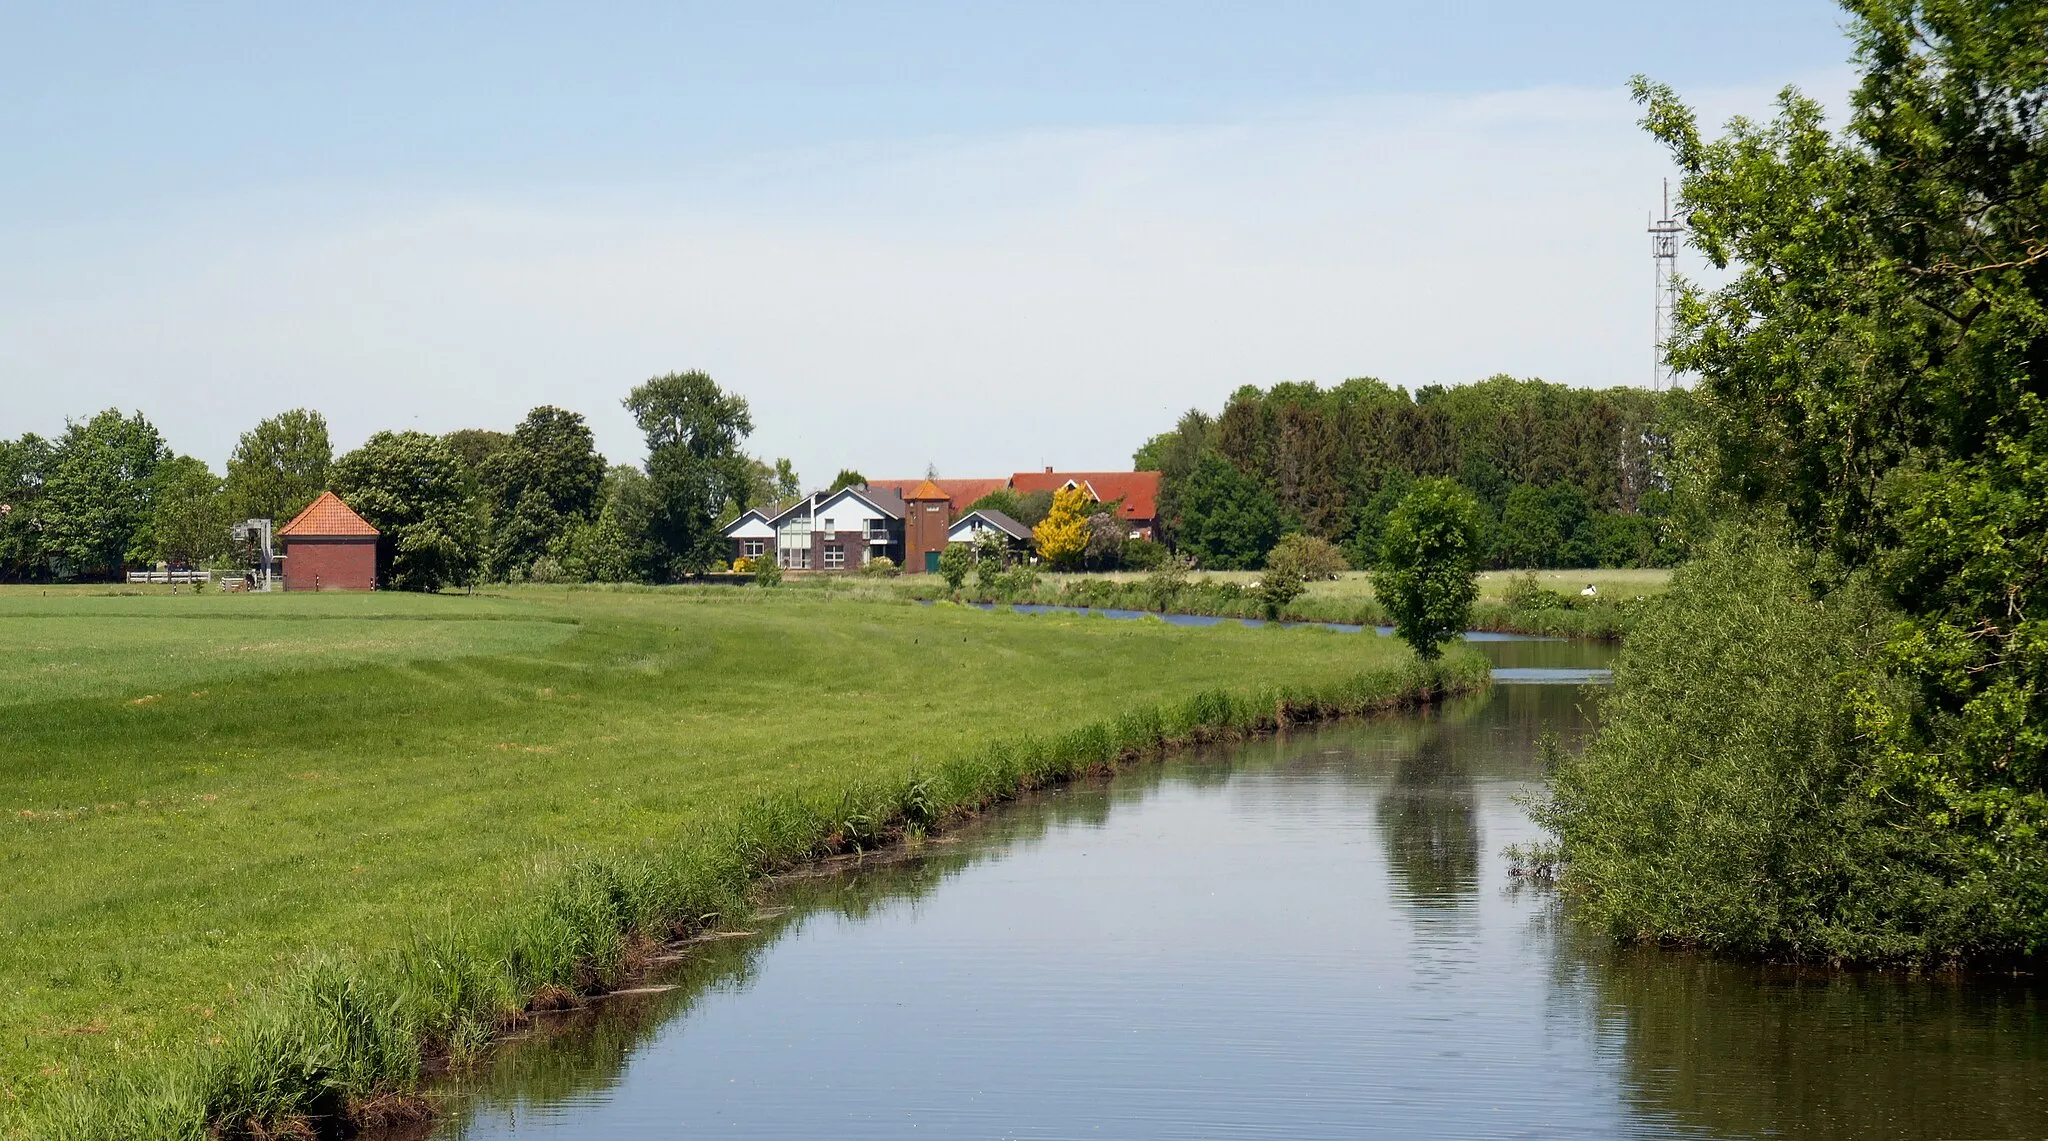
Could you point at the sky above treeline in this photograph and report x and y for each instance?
(977, 237)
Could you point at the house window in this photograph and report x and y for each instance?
(828, 528)
(752, 548)
(835, 556)
(796, 558)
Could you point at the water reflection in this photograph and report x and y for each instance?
(1429, 821)
(1305, 936)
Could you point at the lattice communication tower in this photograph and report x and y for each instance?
(1664, 235)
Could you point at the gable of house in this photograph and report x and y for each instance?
(971, 525)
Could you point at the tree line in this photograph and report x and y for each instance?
(1564, 477)
(535, 503)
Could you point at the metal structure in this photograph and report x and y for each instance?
(256, 533)
(1664, 235)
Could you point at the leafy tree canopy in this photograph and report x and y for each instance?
(694, 464)
(846, 478)
(1228, 521)
(96, 496)
(278, 467)
(409, 486)
(1428, 571)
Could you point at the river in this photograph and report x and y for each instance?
(1299, 937)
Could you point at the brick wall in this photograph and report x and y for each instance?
(330, 564)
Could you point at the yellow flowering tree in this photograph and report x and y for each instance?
(1063, 534)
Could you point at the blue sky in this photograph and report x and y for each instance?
(985, 237)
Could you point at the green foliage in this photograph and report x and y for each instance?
(95, 498)
(278, 467)
(694, 463)
(1276, 587)
(1336, 462)
(991, 553)
(1427, 575)
(1227, 520)
(544, 480)
(1873, 374)
(25, 465)
(881, 566)
(1141, 554)
(767, 571)
(954, 563)
(616, 545)
(409, 486)
(1524, 594)
(1175, 455)
(1307, 558)
(846, 478)
(1732, 801)
(187, 521)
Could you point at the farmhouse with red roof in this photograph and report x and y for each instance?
(912, 521)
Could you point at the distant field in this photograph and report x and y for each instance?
(194, 792)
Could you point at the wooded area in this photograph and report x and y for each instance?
(1566, 477)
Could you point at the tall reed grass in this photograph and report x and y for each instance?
(343, 1041)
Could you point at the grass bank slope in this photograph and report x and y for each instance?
(178, 836)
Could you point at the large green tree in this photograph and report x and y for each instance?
(544, 481)
(1873, 374)
(279, 466)
(25, 466)
(1427, 573)
(187, 520)
(409, 486)
(694, 464)
(1227, 520)
(96, 497)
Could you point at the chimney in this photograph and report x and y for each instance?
(1048, 469)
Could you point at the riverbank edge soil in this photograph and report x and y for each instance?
(341, 1042)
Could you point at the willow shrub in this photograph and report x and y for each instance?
(1730, 802)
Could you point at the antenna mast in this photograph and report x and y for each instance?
(1664, 234)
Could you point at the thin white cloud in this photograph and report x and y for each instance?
(985, 305)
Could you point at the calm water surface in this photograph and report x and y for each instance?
(1313, 936)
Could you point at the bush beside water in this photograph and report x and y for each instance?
(1732, 799)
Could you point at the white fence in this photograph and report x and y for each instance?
(185, 576)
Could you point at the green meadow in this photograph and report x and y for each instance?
(199, 794)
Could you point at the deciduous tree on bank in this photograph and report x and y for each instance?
(1872, 380)
(694, 463)
(1428, 571)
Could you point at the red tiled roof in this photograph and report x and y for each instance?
(925, 492)
(1138, 489)
(960, 492)
(327, 517)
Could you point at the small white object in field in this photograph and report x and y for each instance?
(1591, 591)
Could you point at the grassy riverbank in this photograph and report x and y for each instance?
(260, 849)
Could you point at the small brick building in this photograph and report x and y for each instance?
(329, 547)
